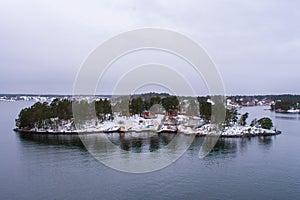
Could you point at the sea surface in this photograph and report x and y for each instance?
(60, 167)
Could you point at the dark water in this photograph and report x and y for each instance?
(59, 167)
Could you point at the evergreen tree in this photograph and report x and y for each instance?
(205, 110)
(243, 119)
(137, 105)
(170, 103)
(155, 100)
(265, 123)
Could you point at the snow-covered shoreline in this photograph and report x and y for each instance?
(240, 134)
(161, 123)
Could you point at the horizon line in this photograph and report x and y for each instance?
(203, 95)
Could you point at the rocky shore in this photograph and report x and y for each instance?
(159, 124)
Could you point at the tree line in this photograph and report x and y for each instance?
(42, 115)
(285, 105)
(138, 105)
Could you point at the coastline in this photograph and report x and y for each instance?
(198, 134)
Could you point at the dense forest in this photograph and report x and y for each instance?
(47, 114)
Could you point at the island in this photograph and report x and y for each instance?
(151, 112)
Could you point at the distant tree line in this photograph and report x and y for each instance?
(138, 105)
(285, 105)
(282, 97)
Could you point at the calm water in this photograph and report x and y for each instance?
(59, 167)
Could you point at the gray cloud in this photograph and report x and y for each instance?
(255, 44)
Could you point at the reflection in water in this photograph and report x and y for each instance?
(227, 148)
(244, 142)
(124, 144)
(136, 145)
(139, 158)
(224, 148)
(53, 140)
(266, 142)
(154, 144)
(140, 142)
(288, 117)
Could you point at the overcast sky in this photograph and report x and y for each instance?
(255, 44)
